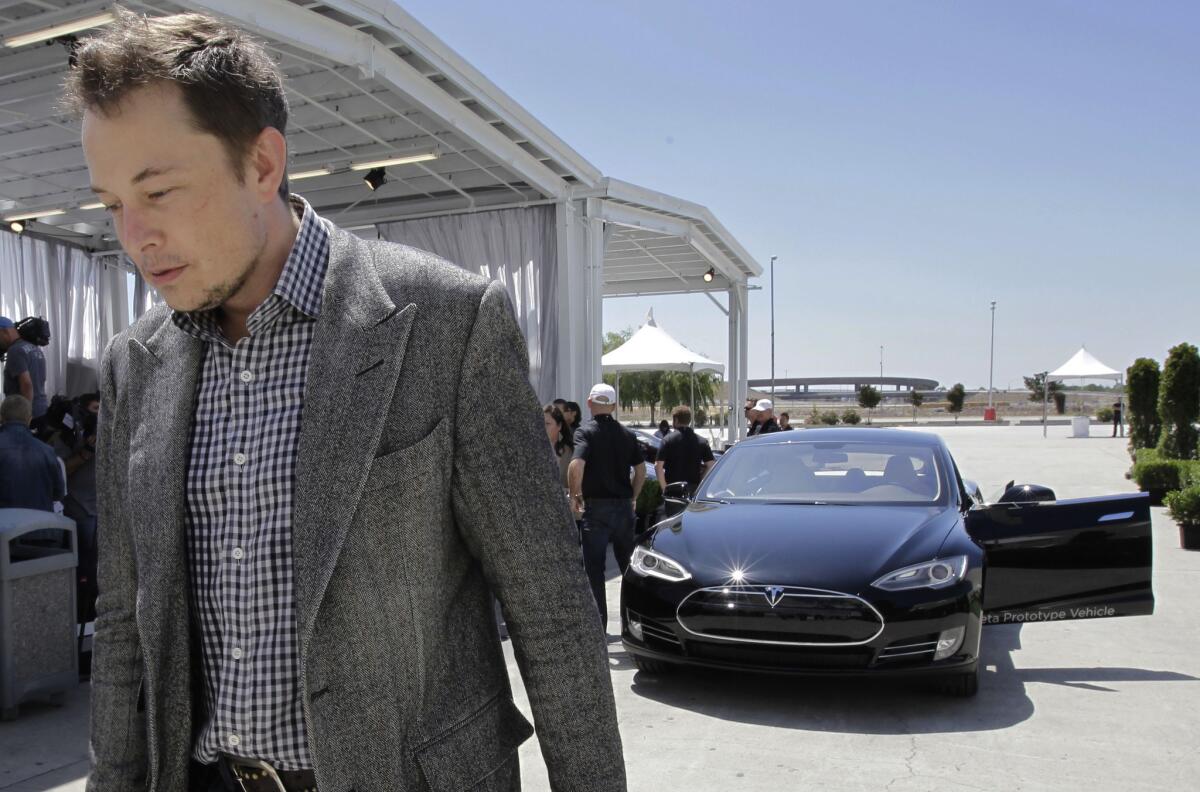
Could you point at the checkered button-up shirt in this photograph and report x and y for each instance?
(240, 483)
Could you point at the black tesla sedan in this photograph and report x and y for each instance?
(844, 551)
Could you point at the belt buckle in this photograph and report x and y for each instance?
(257, 764)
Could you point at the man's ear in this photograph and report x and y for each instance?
(267, 164)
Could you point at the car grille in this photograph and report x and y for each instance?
(779, 615)
(782, 658)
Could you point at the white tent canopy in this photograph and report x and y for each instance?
(653, 349)
(1084, 366)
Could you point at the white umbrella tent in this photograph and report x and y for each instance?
(653, 349)
(1082, 365)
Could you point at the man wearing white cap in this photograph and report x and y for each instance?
(763, 416)
(600, 486)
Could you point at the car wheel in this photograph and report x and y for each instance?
(649, 666)
(962, 685)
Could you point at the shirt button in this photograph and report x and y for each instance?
(239, 459)
(247, 376)
(238, 554)
(234, 740)
(237, 653)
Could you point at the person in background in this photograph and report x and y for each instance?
(1118, 424)
(600, 485)
(764, 418)
(785, 422)
(30, 476)
(24, 368)
(748, 412)
(684, 456)
(664, 429)
(572, 414)
(556, 431)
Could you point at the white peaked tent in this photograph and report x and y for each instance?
(653, 349)
(1082, 365)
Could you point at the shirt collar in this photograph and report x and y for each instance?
(301, 284)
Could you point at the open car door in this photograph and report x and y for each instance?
(1070, 559)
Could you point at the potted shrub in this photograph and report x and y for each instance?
(1184, 507)
(1156, 475)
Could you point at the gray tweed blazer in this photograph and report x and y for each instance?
(423, 485)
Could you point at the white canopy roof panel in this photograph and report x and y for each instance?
(653, 349)
(1084, 366)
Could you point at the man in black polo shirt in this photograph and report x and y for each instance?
(684, 456)
(599, 482)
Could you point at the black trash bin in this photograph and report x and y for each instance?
(38, 651)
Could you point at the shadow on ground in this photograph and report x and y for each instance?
(876, 706)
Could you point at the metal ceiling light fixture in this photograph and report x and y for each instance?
(403, 159)
(375, 179)
(63, 29)
(17, 226)
(708, 276)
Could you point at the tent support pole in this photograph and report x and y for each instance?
(1045, 400)
(692, 378)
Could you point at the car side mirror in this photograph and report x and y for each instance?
(1026, 493)
(676, 491)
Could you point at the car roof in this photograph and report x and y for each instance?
(860, 434)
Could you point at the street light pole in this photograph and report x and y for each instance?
(992, 354)
(773, 327)
(881, 368)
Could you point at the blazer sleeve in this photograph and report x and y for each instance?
(509, 506)
(118, 737)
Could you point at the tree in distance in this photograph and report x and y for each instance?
(916, 400)
(869, 398)
(1179, 402)
(1142, 381)
(956, 396)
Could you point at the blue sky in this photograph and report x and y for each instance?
(907, 162)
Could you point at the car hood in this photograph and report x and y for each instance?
(841, 548)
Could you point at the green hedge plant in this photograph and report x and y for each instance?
(1179, 402)
(851, 417)
(1141, 390)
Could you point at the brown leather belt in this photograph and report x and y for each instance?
(252, 775)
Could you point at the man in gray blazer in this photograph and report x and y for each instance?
(300, 544)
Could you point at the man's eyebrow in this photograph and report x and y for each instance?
(148, 173)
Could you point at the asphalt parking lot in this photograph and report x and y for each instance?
(1109, 704)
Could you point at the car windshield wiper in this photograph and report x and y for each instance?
(814, 503)
(713, 500)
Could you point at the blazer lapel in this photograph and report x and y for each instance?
(356, 356)
(163, 376)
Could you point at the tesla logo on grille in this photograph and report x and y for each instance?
(773, 594)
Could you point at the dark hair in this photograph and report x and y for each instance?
(664, 424)
(559, 402)
(563, 441)
(229, 83)
(785, 415)
(682, 415)
(574, 407)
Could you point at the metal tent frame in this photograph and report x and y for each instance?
(367, 81)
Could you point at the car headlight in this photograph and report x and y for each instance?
(654, 564)
(938, 573)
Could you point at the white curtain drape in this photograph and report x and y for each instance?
(62, 284)
(517, 247)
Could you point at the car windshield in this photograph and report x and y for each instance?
(827, 472)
